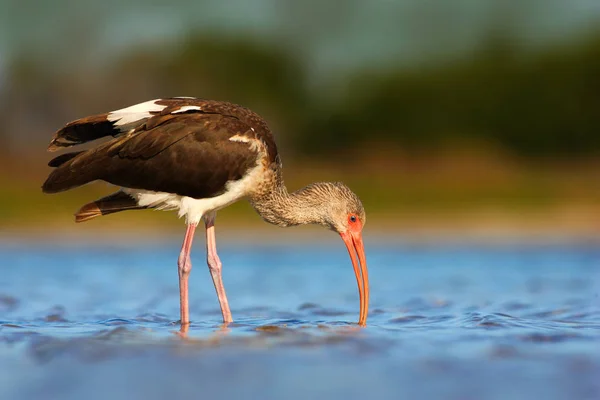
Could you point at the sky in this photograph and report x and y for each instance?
(332, 36)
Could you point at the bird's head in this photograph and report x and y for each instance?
(342, 211)
(334, 206)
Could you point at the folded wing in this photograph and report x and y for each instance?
(186, 153)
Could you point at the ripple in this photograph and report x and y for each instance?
(8, 303)
(491, 321)
(117, 321)
(307, 306)
(421, 304)
(9, 325)
(547, 314)
(516, 306)
(549, 338)
(406, 319)
(377, 311)
(328, 312)
(55, 318)
(268, 328)
(55, 314)
(153, 318)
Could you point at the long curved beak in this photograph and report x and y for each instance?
(355, 246)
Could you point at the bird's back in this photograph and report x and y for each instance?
(186, 146)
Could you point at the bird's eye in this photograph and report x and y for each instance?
(352, 218)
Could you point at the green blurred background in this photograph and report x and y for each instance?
(472, 116)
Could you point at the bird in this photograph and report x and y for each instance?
(197, 156)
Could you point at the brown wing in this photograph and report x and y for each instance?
(186, 154)
(121, 122)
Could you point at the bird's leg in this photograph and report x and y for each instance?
(184, 265)
(215, 266)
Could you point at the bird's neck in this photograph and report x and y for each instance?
(281, 208)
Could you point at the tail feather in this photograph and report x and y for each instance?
(63, 158)
(113, 203)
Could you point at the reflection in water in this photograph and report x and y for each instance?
(219, 332)
(183, 330)
(275, 334)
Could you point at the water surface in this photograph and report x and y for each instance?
(466, 321)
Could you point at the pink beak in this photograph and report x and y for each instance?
(355, 246)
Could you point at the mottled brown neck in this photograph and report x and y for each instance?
(279, 207)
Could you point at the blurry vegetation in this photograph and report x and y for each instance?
(545, 103)
(425, 126)
(243, 72)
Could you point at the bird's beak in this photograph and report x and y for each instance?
(354, 243)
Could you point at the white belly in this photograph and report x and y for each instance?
(195, 209)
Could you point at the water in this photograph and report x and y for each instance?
(448, 321)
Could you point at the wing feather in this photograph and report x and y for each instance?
(189, 154)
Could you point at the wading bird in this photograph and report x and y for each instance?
(199, 156)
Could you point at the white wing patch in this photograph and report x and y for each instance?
(135, 113)
(186, 108)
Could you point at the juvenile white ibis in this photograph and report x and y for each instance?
(199, 156)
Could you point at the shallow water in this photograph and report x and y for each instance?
(448, 321)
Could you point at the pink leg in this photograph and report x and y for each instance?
(184, 265)
(215, 266)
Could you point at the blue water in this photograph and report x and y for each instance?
(466, 321)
